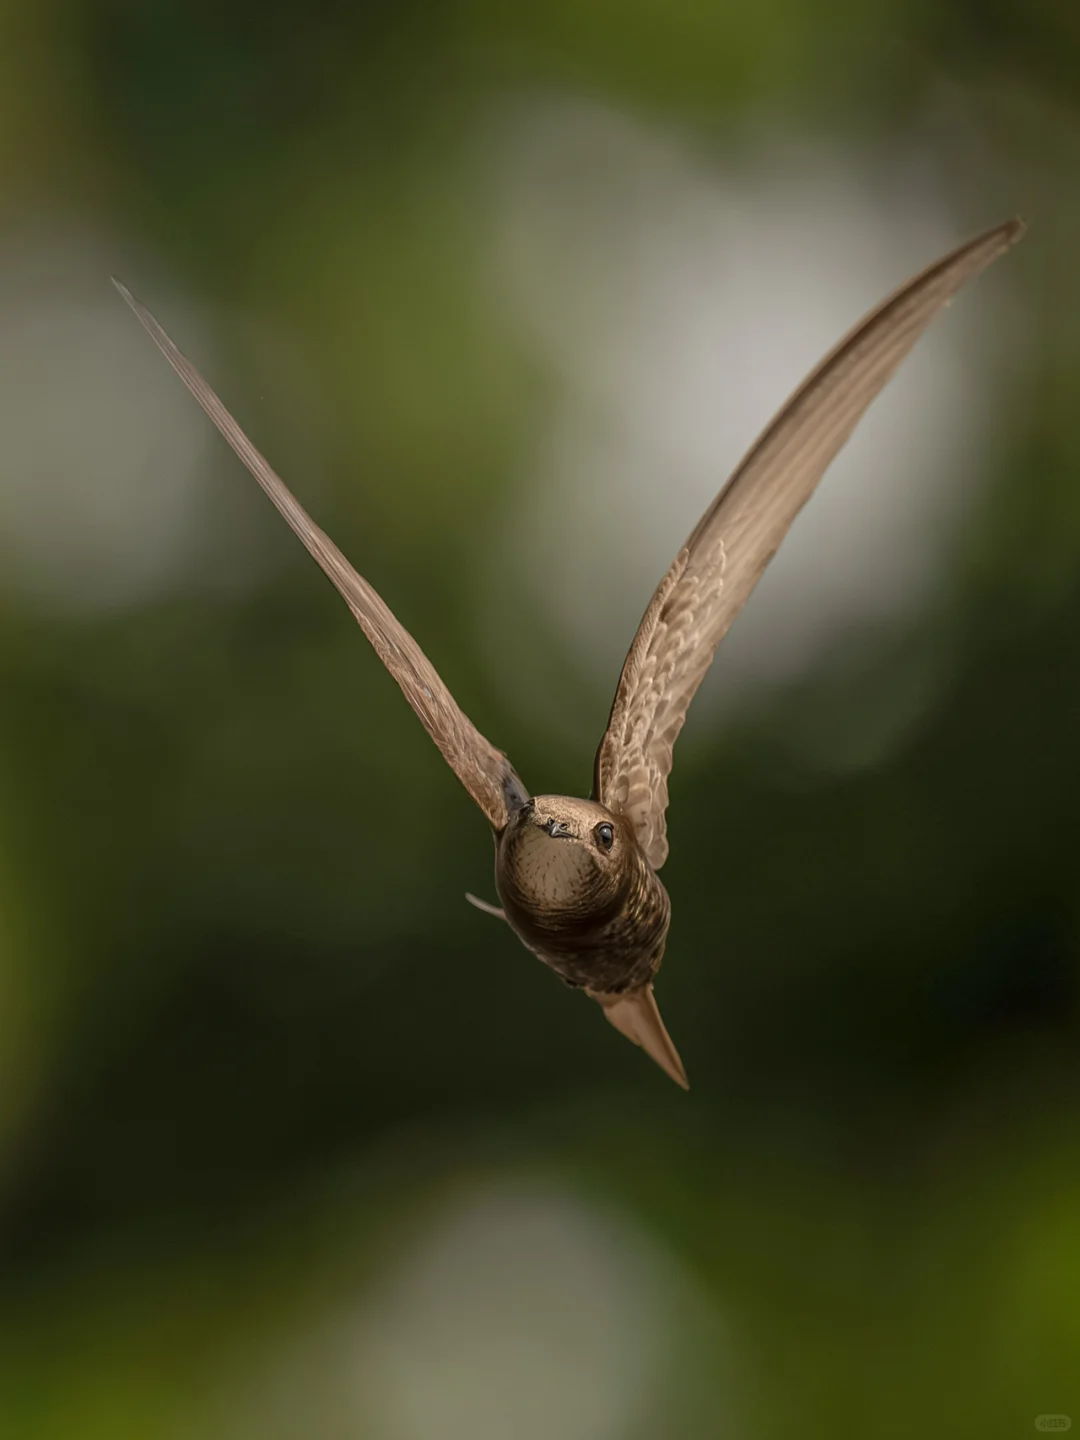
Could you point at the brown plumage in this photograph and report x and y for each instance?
(577, 878)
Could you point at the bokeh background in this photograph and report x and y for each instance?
(293, 1142)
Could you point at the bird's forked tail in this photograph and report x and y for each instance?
(637, 1016)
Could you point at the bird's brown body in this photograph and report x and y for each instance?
(598, 917)
(578, 878)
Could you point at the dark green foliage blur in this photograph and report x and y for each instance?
(251, 1035)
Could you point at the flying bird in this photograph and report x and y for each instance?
(579, 879)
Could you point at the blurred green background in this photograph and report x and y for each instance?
(293, 1142)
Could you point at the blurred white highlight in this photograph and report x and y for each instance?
(525, 1311)
(518, 1306)
(677, 303)
(102, 454)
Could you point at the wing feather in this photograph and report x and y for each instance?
(713, 575)
(482, 769)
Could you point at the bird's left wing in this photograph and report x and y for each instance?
(484, 771)
(722, 561)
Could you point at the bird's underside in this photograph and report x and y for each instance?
(613, 961)
(578, 878)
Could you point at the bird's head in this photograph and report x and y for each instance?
(567, 852)
(577, 823)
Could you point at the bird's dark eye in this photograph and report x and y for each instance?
(605, 836)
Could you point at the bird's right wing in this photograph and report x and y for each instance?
(484, 771)
(735, 539)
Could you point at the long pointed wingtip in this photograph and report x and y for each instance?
(139, 310)
(1012, 231)
(637, 1016)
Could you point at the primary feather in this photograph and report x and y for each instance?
(713, 575)
(484, 771)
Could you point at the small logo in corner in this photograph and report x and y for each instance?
(1053, 1424)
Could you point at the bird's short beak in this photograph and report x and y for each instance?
(637, 1016)
(556, 829)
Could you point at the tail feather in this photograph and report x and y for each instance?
(637, 1016)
